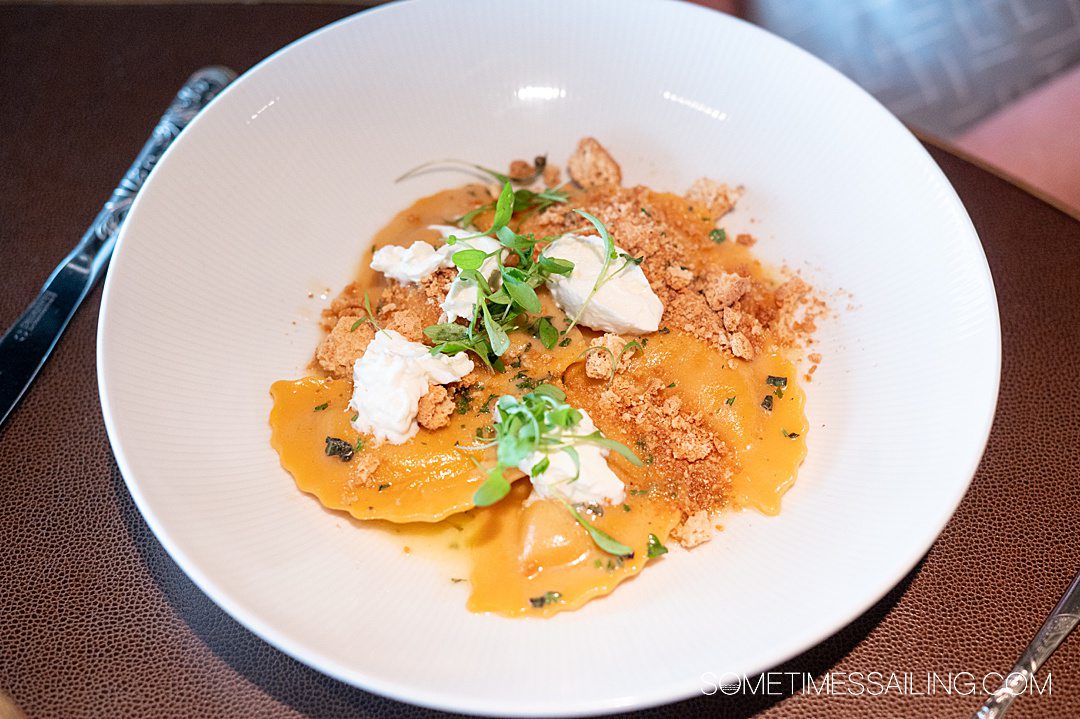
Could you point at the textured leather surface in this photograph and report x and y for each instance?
(97, 621)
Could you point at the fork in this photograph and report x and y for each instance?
(1062, 620)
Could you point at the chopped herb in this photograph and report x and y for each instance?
(463, 400)
(524, 381)
(356, 416)
(655, 547)
(775, 381)
(383, 486)
(356, 325)
(321, 407)
(645, 212)
(779, 392)
(730, 400)
(456, 580)
(565, 342)
(599, 564)
(671, 385)
(359, 445)
(663, 331)
(545, 599)
(486, 408)
(639, 492)
(789, 435)
(339, 448)
(767, 403)
(625, 507)
(718, 235)
(649, 458)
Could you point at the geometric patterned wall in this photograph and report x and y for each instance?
(938, 64)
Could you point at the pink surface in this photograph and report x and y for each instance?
(1036, 139)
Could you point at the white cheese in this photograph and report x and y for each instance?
(390, 378)
(625, 304)
(595, 481)
(409, 265)
(460, 300)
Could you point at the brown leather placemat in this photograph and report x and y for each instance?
(97, 621)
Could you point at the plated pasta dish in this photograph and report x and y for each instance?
(573, 374)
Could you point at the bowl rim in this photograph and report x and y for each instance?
(417, 693)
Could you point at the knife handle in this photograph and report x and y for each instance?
(27, 343)
(93, 252)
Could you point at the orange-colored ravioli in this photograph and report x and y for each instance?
(424, 480)
(532, 558)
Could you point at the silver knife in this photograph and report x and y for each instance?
(27, 343)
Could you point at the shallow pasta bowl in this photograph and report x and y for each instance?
(268, 201)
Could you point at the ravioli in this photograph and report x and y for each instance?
(534, 559)
(768, 445)
(424, 480)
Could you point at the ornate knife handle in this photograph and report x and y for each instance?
(96, 245)
(27, 343)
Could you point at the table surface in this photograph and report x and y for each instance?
(95, 618)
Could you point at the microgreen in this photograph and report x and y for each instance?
(656, 548)
(601, 538)
(504, 303)
(541, 422)
(369, 317)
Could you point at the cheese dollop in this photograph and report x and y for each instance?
(409, 265)
(625, 304)
(595, 481)
(390, 378)
(460, 302)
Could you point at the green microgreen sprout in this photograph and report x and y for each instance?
(369, 317)
(656, 548)
(541, 422)
(506, 298)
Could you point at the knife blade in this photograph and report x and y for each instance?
(27, 344)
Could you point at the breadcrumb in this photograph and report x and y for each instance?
(724, 289)
(592, 167)
(520, 170)
(341, 348)
(715, 198)
(695, 530)
(741, 347)
(602, 365)
(435, 407)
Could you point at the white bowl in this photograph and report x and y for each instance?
(275, 191)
